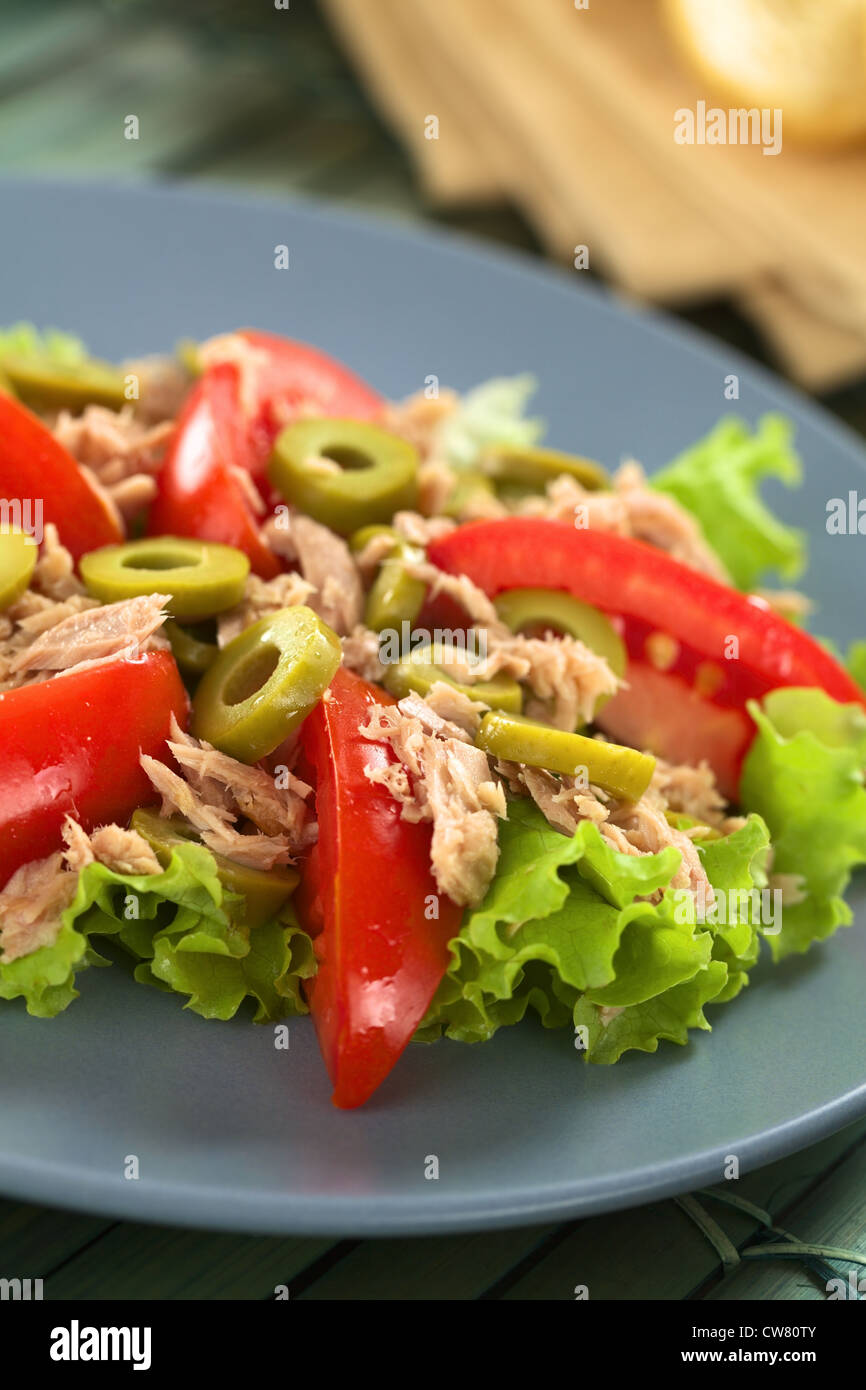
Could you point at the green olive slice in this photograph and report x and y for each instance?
(344, 473)
(264, 892)
(202, 578)
(395, 595)
(624, 772)
(194, 653)
(265, 683)
(188, 354)
(44, 384)
(361, 538)
(420, 668)
(539, 610)
(18, 553)
(533, 467)
(472, 487)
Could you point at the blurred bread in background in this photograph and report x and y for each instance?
(806, 56)
(570, 114)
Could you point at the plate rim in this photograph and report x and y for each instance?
(279, 1213)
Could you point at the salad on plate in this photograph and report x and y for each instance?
(393, 714)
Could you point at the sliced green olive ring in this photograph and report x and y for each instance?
(624, 772)
(532, 468)
(420, 669)
(344, 473)
(264, 893)
(18, 553)
(265, 683)
(550, 609)
(193, 654)
(360, 539)
(395, 596)
(202, 578)
(48, 385)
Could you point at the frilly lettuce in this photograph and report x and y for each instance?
(804, 775)
(856, 663)
(24, 340)
(492, 413)
(187, 935)
(565, 929)
(718, 480)
(45, 979)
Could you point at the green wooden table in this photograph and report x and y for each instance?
(242, 94)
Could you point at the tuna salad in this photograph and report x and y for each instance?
(393, 714)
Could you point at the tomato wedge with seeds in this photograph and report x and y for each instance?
(715, 629)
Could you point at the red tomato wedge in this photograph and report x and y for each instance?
(727, 648)
(230, 421)
(366, 892)
(199, 494)
(661, 711)
(38, 473)
(283, 378)
(72, 744)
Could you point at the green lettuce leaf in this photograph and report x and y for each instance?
(668, 1017)
(45, 979)
(718, 480)
(736, 865)
(24, 340)
(565, 930)
(185, 931)
(189, 938)
(856, 662)
(219, 968)
(804, 775)
(492, 413)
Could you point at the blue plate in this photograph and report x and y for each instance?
(230, 1132)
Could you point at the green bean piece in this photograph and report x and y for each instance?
(265, 682)
(344, 473)
(44, 384)
(532, 467)
(201, 578)
(539, 610)
(420, 668)
(624, 772)
(264, 892)
(193, 652)
(18, 553)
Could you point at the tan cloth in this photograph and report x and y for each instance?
(570, 114)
